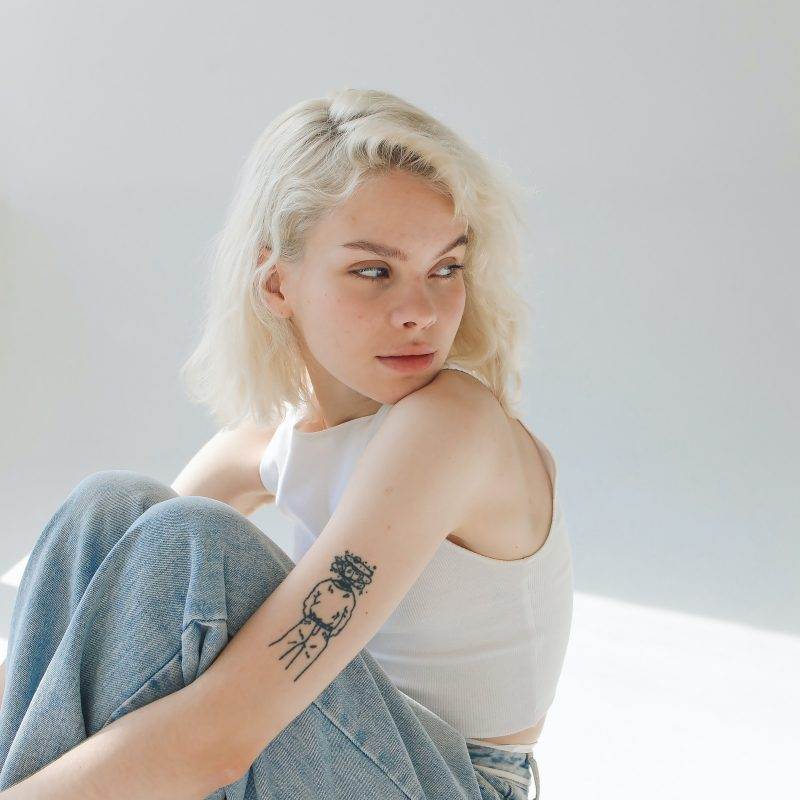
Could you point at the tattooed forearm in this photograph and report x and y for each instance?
(326, 610)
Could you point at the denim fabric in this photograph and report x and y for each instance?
(509, 773)
(131, 591)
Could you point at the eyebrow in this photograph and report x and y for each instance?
(392, 252)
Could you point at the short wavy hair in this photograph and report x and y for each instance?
(248, 366)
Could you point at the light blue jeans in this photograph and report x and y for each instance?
(131, 591)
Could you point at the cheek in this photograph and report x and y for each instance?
(340, 320)
(453, 304)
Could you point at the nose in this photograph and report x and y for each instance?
(415, 309)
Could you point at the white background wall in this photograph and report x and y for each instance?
(663, 142)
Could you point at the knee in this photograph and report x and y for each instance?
(182, 518)
(212, 527)
(199, 507)
(112, 485)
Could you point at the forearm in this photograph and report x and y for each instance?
(206, 735)
(166, 749)
(283, 658)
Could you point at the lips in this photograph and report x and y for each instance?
(407, 363)
(420, 350)
(409, 356)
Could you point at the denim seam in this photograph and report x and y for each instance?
(358, 747)
(144, 683)
(183, 630)
(203, 619)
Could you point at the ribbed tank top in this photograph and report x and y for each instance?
(479, 641)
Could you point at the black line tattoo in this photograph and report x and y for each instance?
(326, 609)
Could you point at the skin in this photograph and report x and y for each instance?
(344, 321)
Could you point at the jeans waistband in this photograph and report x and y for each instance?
(514, 763)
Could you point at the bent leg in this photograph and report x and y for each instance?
(64, 559)
(147, 588)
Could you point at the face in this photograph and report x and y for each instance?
(351, 305)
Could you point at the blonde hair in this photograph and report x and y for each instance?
(248, 365)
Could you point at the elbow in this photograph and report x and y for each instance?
(214, 760)
(214, 736)
(233, 760)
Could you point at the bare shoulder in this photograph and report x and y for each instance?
(512, 510)
(422, 470)
(454, 428)
(457, 403)
(462, 394)
(470, 396)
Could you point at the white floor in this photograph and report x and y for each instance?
(660, 705)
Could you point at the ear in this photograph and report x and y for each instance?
(272, 287)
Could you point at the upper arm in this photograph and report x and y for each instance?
(418, 478)
(226, 468)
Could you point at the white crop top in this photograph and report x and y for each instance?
(477, 640)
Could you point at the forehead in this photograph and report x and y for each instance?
(400, 210)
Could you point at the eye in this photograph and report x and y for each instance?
(449, 276)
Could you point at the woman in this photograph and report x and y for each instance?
(362, 326)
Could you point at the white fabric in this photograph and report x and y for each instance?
(478, 641)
